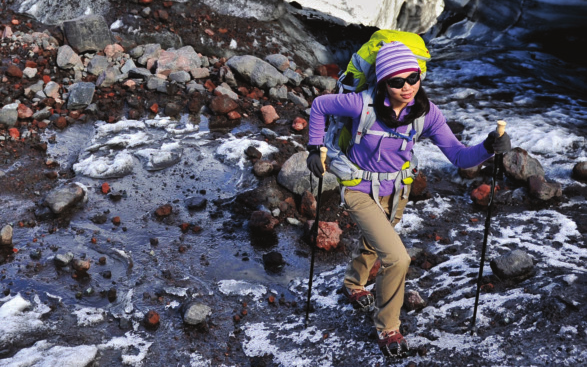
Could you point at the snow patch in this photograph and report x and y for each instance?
(241, 288)
(89, 316)
(233, 149)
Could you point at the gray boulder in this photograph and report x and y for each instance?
(64, 197)
(90, 33)
(294, 78)
(108, 77)
(196, 313)
(98, 65)
(6, 236)
(295, 176)
(80, 95)
(9, 114)
(256, 71)
(150, 51)
(224, 89)
(42, 114)
(52, 90)
(137, 52)
(278, 92)
(513, 264)
(278, 61)
(62, 260)
(413, 301)
(300, 101)
(164, 38)
(543, 190)
(67, 58)
(519, 165)
(180, 76)
(322, 82)
(155, 83)
(128, 66)
(140, 73)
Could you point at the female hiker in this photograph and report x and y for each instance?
(386, 148)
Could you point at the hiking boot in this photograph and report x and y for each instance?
(360, 299)
(393, 344)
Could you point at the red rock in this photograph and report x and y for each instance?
(154, 108)
(299, 124)
(413, 301)
(164, 211)
(223, 30)
(14, 133)
(167, 4)
(262, 221)
(15, 22)
(419, 185)
(209, 85)
(243, 91)
(487, 287)
(24, 112)
(236, 318)
(116, 221)
(81, 266)
(30, 64)
(269, 114)
(152, 319)
(182, 249)
(163, 15)
(75, 114)
(321, 70)
(94, 240)
(308, 205)
(130, 84)
(256, 93)
(51, 175)
(184, 227)
(209, 32)
(14, 71)
(105, 188)
(426, 265)
(46, 79)
(328, 234)
(481, 195)
(196, 229)
(61, 122)
(233, 115)
(374, 270)
(271, 299)
(145, 2)
(42, 125)
(332, 70)
(474, 220)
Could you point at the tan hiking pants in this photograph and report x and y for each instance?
(379, 240)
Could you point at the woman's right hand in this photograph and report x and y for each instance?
(314, 162)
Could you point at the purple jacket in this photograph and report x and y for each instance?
(375, 155)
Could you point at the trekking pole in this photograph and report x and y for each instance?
(497, 162)
(314, 231)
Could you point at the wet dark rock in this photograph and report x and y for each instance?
(195, 313)
(106, 274)
(580, 171)
(273, 261)
(172, 109)
(154, 241)
(90, 33)
(99, 218)
(253, 152)
(308, 205)
(413, 301)
(80, 95)
(43, 213)
(513, 264)
(470, 173)
(262, 221)
(151, 320)
(196, 202)
(256, 71)
(112, 294)
(6, 236)
(543, 190)
(295, 176)
(519, 165)
(80, 266)
(263, 168)
(64, 197)
(195, 103)
(222, 104)
(63, 260)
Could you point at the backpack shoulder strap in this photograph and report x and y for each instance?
(367, 114)
(419, 127)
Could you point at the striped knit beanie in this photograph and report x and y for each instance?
(394, 58)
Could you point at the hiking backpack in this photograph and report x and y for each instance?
(360, 77)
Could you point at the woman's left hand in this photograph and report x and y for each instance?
(497, 144)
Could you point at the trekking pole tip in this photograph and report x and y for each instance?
(501, 127)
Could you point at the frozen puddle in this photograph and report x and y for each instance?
(21, 320)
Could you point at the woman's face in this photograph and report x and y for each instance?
(400, 97)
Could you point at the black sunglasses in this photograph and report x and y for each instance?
(398, 83)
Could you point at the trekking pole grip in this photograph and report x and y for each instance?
(500, 127)
(323, 153)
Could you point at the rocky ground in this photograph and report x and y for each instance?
(132, 247)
